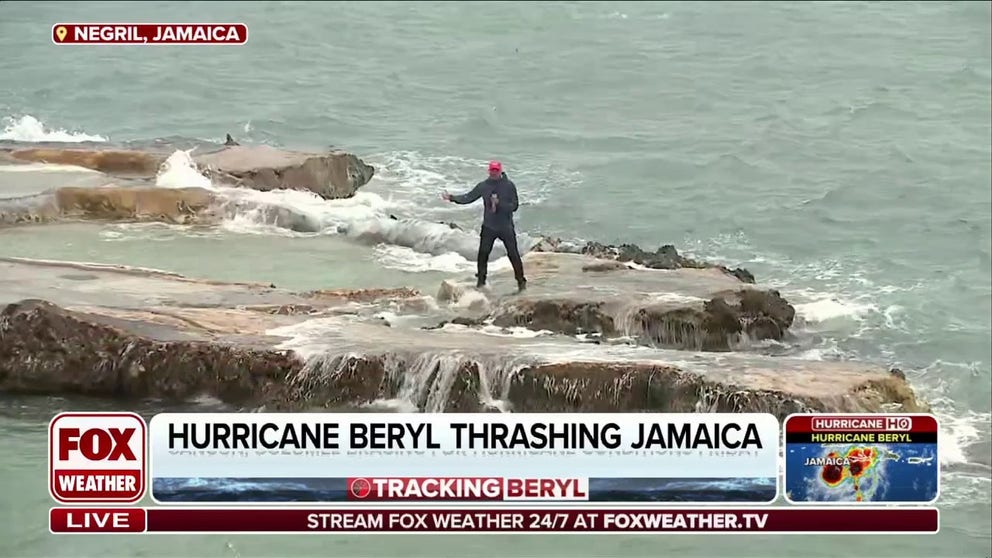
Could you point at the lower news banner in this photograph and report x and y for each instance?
(363, 459)
(852, 459)
(607, 520)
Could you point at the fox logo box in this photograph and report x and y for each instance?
(97, 457)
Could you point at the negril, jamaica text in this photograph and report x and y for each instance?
(484, 436)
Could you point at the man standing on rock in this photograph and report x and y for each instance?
(499, 195)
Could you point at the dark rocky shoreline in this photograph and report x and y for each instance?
(217, 339)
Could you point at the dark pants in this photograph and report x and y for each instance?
(509, 239)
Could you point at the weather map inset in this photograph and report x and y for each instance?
(852, 459)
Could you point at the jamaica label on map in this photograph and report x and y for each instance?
(847, 459)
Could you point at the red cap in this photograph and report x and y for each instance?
(495, 166)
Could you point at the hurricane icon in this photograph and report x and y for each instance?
(360, 488)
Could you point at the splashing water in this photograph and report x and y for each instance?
(827, 309)
(417, 382)
(407, 244)
(29, 129)
(179, 171)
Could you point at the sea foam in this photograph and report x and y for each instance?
(29, 129)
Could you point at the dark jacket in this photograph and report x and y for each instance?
(506, 192)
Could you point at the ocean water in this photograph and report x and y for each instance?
(839, 151)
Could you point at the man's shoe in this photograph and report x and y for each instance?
(480, 284)
(521, 286)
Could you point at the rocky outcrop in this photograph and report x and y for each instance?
(179, 206)
(565, 316)
(718, 324)
(114, 162)
(666, 257)
(171, 205)
(599, 388)
(696, 308)
(330, 175)
(364, 295)
(129, 333)
(45, 349)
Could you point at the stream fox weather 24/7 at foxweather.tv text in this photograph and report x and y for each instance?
(714, 473)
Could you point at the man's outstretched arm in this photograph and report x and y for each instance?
(468, 197)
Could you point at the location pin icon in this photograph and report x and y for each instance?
(61, 32)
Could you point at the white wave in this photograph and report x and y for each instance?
(496, 331)
(430, 238)
(365, 217)
(253, 221)
(398, 405)
(408, 259)
(412, 173)
(308, 211)
(403, 320)
(637, 266)
(827, 309)
(960, 429)
(179, 171)
(29, 129)
(830, 352)
(675, 298)
(517, 332)
(958, 433)
(891, 316)
(307, 338)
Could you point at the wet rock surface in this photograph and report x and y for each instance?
(697, 308)
(117, 162)
(114, 204)
(331, 175)
(665, 257)
(156, 334)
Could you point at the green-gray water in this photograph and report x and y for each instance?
(840, 151)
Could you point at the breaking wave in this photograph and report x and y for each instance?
(406, 243)
(827, 309)
(29, 129)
